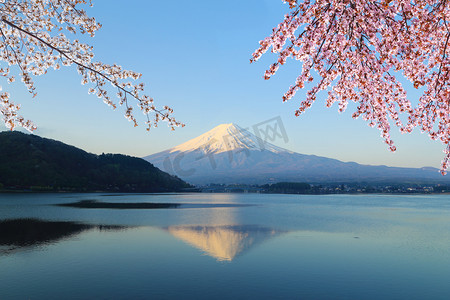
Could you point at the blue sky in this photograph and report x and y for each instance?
(194, 56)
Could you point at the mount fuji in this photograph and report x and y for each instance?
(230, 154)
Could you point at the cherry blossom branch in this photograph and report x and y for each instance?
(360, 42)
(76, 54)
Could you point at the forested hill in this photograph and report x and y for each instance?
(31, 162)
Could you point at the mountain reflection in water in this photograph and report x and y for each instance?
(21, 233)
(223, 242)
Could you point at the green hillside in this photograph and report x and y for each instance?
(31, 162)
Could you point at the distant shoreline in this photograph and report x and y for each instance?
(28, 191)
(231, 192)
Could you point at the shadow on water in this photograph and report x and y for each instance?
(94, 204)
(117, 205)
(27, 233)
(224, 242)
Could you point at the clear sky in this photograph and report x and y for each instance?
(194, 56)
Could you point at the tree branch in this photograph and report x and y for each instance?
(81, 65)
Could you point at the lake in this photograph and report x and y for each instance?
(226, 246)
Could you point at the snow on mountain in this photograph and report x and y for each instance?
(231, 154)
(226, 137)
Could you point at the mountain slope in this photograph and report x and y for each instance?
(31, 161)
(230, 154)
(224, 138)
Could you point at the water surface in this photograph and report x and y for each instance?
(225, 246)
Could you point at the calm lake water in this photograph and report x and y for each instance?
(254, 247)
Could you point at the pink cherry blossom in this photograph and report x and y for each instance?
(33, 39)
(357, 47)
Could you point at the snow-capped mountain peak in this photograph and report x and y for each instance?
(226, 137)
(231, 154)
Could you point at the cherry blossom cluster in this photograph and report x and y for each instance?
(34, 38)
(354, 49)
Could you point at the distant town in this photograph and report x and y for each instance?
(306, 188)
